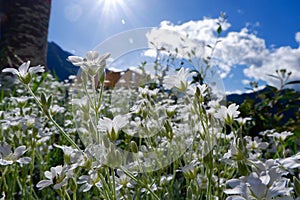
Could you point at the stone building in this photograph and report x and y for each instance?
(23, 32)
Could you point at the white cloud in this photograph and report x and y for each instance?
(245, 82)
(283, 57)
(171, 40)
(242, 48)
(201, 30)
(234, 92)
(239, 48)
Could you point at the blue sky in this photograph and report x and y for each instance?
(260, 35)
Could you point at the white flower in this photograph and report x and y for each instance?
(202, 89)
(280, 136)
(147, 91)
(58, 176)
(73, 157)
(122, 180)
(23, 70)
(179, 80)
(228, 114)
(57, 109)
(89, 181)
(21, 100)
(291, 162)
(190, 171)
(255, 144)
(238, 187)
(242, 121)
(265, 182)
(112, 127)
(92, 64)
(233, 152)
(109, 125)
(7, 157)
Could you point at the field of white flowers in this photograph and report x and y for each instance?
(177, 143)
(171, 139)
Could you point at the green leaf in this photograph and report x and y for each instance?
(176, 50)
(296, 186)
(242, 168)
(219, 30)
(49, 102)
(273, 76)
(193, 52)
(36, 84)
(292, 82)
(43, 98)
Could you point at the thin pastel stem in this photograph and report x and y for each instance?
(88, 95)
(52, 120)
(105, 187)
(113, 183)
(128, 173)
(32, 165)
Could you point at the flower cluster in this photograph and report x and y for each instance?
(92, 64)
(25, 72)
(145, 143)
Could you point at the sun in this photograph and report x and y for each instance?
(110, 16)
(112, 7)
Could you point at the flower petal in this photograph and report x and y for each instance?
(235, 198)
(23, 69)
(37, 69)
(24, 160)
(103, 58)
(105, 124)
(76, 60)
(92, 55)
(43, 183)
(6, 162)
(19, 151)
(119, 122)
(11, 70)
(5, 149)
(48, 175)
(86, 187)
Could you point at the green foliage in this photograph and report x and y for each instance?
(274, 108)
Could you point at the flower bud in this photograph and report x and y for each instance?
(113, 135)
(134, 147)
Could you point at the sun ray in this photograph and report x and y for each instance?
(112, 9)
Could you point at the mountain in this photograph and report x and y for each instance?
(57, 62)
(269, 91)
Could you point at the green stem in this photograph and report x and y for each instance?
(106, 189)
(95, 95)
(32, 165)
(114, 183)
(52, 120)
(139, 182)
(74, 195)
(4, 179)
(88, 95)
(209, 184)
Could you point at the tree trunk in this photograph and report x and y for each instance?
(23, 32)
